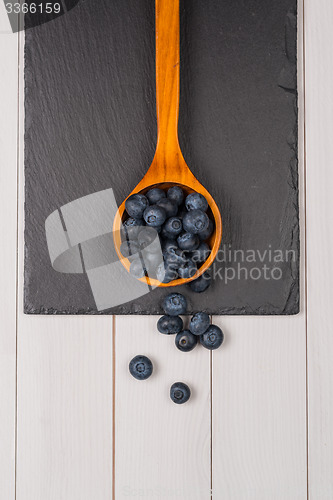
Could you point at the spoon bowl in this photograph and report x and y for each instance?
(169, 167)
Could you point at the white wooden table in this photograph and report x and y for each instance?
(75, 426)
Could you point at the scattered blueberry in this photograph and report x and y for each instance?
(187, 270)
(154, 195)
(173, 226)
(154, 215)
(174, 304)
(170, 324)
(201, 284)
(129, 247)
(169, 206)
(195, 201)
(199, 323)
(188, 241)
(185, 341)
(212, 338)
(141, 367)
(136, 204)
(195, 221)
(204, 235)
(201, 254)
(176, 194)
(180, 393)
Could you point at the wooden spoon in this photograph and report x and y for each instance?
(168, 167)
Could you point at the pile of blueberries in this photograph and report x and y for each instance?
(210, 336)
(200, 329)
(182, 225)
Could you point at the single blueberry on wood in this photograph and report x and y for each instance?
(180, 393)
(201, 284)
(154, 195)
(188, 241)
(141, 367)
(195, 221)
(174, 304)
(195, 201)
(176, 194)
(169, 206)
(154, 215)
(199, 323)
(185, 341)
(136, 204)
(170, 324)
(212, 338)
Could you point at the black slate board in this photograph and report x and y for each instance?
(90, 124)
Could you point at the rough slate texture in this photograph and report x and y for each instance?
(91, 125)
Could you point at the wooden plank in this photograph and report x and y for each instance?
(259, 389)
(319, 186)
(8, 230)
(64, 445)
(162, 450)
(259, 409)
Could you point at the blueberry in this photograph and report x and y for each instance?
(174, 304)
(180, 393)
(137, 268)
(152, 260)
(129, 247)
(201, 254)
(141, 367)
(147, 236)
(166, 235)
(188, 269)
(173, 226)
(195, 201)
(188, 241)
(212, 338)
(195, 221)
(154, 215)
(131, 227)
(154, 195)
(136, 204)
(169, 206)
(204, 235)
(199, 323)
(176, 259)
(170, 324)
(169, 246)
(202, 283)
(185, 341)
(165, 274)
(175, 193)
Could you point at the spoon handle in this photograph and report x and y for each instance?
(167, 76)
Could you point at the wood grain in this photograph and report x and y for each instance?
(64, 428)
(319, 186)
(8, 231)
(162, 449)
(259, 410)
